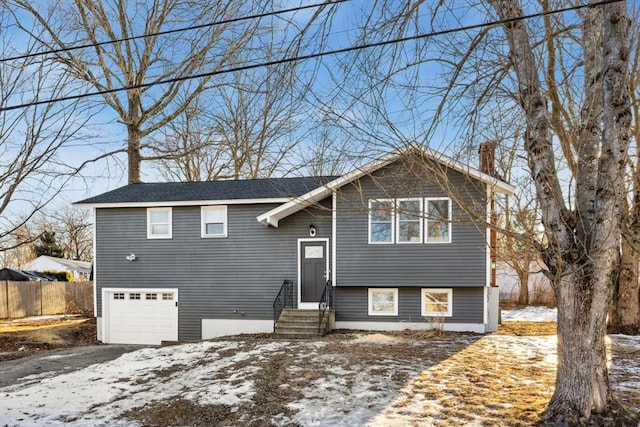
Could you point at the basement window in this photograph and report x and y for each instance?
(437, 302)
(383, 301)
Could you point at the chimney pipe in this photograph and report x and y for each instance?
(487, 152)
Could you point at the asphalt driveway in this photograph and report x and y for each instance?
(50, 363)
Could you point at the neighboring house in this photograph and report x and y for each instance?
(81, 270)
(399, 238)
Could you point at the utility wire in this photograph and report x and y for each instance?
(311, 55)
(176, 30)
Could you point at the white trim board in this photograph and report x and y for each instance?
(168, 203)
(273, 216)
(478, 328)
(214, 328)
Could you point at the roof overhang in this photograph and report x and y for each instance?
(184, 203)
(273, 216)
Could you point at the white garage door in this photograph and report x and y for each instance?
(140, 316)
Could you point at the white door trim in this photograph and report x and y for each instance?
(311, 305)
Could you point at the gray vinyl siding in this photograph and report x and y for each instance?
(462, 262)
(352, 305)
(238, 276)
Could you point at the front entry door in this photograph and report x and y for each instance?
(313, 271)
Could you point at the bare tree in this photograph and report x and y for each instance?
(127, 52)
(576, 151)
(244, 129)
(73, 232)
(582, 253)
(33, 139)
(521, 217)
(624, 316)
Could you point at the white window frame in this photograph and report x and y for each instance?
(423, 308)
(150, 235)
(419, 220)
(372, 291)
(203, 225)
(426, 219)
(393, 221)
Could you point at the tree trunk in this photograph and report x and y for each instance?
(523, 276)
(582, 384)
(625, 313)
(582, 251)
(133, 153)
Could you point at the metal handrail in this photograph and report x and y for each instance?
(326, 303)
(283, 299)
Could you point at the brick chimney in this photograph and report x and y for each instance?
(487, 152)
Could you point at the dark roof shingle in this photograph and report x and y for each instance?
(267, 188)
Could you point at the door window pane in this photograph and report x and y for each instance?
(313, 251)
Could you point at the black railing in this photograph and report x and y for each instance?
(283, 299)
(326, 303)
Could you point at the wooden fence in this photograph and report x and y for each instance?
(24, 299)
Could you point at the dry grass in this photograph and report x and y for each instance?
(18, 341)
(419, 377)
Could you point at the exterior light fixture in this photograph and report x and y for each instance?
(131, 257)
(312, 230)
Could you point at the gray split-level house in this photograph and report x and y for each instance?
(397, 243)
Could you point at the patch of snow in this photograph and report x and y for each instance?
(58, 356)
(531, 314)
(375, 338)
(351, 392)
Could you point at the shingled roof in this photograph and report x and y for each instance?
(176, 192)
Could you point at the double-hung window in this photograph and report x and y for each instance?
(159, 223)
(437, 302)
(438, 220)
(214, 221)
(409, 217)
(381, 221)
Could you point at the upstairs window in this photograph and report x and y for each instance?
(409, 215)
(410, 220)
(214, 221)
(438, 220)
(381, 221)
(159, 223)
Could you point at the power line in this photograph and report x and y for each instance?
(311, 55)
(176, 30)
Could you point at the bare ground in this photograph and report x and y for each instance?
(22, 340)
(436, 378)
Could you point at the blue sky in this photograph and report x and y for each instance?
(410, 112)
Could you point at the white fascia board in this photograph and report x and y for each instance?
(497, 185)
(273, 216)
(184, 203)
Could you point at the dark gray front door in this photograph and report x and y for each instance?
(313, 264)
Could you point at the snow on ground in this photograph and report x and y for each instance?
(530, 314)
(334, 386)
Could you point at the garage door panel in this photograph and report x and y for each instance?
(134, 319)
